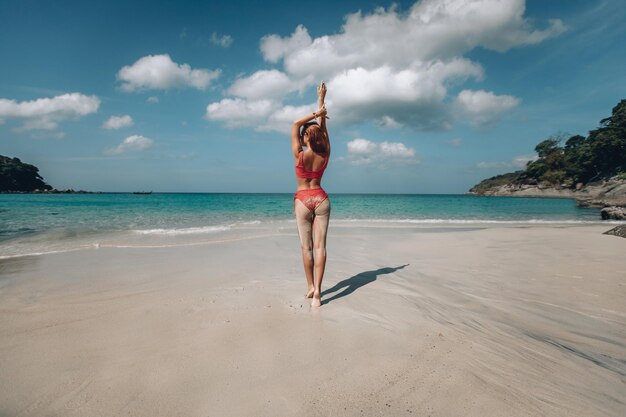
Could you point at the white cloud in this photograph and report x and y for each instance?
(240, 112)
(411, 96)
(134, 143)
(388, 122)
(361, 147)
(262, 84)
(118, 122)
(484, 108)
(261, 115)
(520, 161)
(224, 41)
(365, 152)
(517, 162)
(282, 117)
(395, 68)
(47, 113)
(159, 72)
(432, 29)
(152, 100)
(275, 48)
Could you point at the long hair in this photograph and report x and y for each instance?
(303, 129)
(316, 138)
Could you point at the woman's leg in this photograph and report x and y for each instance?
(304, 219)
(320, 227)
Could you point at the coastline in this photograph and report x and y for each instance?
(63, 241)
(489, 320)
(597, 194)
(52, 191)
(608, 195)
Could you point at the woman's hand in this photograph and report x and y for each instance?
(322, 112)
(321, 91)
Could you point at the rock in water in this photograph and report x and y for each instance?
(613, 213)
(617, 231)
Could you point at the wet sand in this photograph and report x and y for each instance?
(524, 321)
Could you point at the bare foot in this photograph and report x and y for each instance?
(309, 293)
(317, 300)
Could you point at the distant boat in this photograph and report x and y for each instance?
(142, 192)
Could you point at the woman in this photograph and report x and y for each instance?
(311, 203)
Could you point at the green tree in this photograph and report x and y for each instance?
(549, 167)
(608, 143)
(577, 158)
(600, 155)
(547, 147)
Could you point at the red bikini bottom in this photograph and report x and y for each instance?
(311, 198)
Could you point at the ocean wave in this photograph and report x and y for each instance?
(183, 231)
(49, 252)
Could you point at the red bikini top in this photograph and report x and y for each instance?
(302, 172)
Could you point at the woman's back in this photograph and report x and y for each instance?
(310, 168)
(312, 161)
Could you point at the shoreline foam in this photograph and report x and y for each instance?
(39, 244)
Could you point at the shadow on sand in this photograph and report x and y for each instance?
(357, 281)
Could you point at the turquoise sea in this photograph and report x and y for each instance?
(41, 223)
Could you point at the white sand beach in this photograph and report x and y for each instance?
(424, 321)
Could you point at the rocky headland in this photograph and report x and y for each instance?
(17, 177)
(590, 169)
(609, 195)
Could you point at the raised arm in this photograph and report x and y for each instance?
(296, 146)
(321, 96)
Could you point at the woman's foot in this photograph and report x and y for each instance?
(309, 293)
(317, 300)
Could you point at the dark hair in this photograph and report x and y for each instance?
(304, 129)
(316, 139)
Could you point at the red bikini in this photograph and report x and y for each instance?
(301, 171)
(311, 197)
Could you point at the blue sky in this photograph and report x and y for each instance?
(188, 96)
